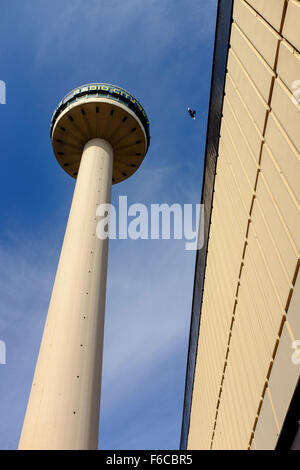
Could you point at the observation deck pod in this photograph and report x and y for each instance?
(100, 110)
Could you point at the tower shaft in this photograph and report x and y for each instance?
(64, 403)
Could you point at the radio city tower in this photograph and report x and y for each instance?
(100, 136)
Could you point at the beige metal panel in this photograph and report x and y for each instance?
(239, 376)
(272, 255)
(242, 344)
(216, 335)
(231, 195)
(227, 257)
(271, 297)
(208, 365)
(291, 30)
(233, 237)
(257, 68)
(226, 429)
(259, 32)
(216, 253)
(240, 144)
(285, 154)
(248, 201)
(279, 254)
(287, 113)
(63, 408)
(237, 167)
(199, 435)
(218, 292)
(202, 411)
(258, 108)
(262, 315)
(234, 394)
(284, 376)
(238, 211)
(293, 314)
(266, 431)
(244, 189)
(245, 364)
(240, 109)
(232, 417)
(231, 234)
(271, 10)
(225, 285)
(252, 339)
(202, 373)
(212, 376)
(205, 339)
(228, 433)
(205, 381)
(227, 195)
(277, 226)
(251, 332)
(288, 66)
(260, 283)
(221, 316)
(283, 197)
(216, 280)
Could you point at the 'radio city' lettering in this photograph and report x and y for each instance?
(101, 88)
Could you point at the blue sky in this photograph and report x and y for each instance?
(160, 51)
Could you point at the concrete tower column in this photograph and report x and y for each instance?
(100, 136)
(63, 408)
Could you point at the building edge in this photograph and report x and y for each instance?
(219, 66)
